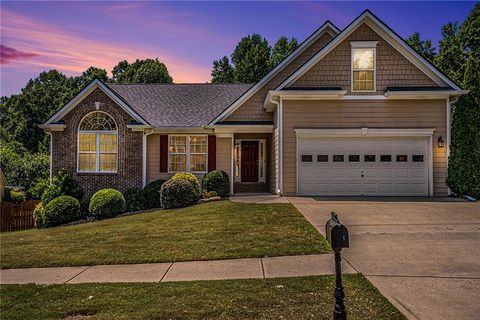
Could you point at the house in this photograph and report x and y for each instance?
(351, 112)
(3, 185)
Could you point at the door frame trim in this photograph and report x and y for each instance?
(369, 133)
(261, 145)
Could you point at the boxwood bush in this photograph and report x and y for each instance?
(135, 199)
(218, 182)
(60, 210)
(190, 177)
(151, 193)
(177, 193)
(106, 203)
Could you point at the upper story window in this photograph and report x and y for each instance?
(187, 153)
(363, 65)
(97, 143)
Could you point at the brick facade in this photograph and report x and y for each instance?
(392, 68)
(129, 173)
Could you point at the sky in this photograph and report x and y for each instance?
(186, 36)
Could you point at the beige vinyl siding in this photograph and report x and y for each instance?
(392, 68)
(153, 159)
(224, 155)
(252, 109)
(364, 114)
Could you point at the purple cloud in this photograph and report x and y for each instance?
(8, 55)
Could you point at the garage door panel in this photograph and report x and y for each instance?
(363, 166)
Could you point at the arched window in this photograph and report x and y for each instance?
(97, 143)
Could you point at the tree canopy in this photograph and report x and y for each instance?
(423, 47)
(251, 59)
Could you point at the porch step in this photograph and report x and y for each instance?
(247, 188)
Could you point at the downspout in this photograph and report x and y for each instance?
(280, 148)
(51, 155)
(144, 156)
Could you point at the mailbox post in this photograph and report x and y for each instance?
(337, 236)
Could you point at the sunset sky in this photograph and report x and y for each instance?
(186, 36)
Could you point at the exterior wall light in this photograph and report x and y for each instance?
(441, 143)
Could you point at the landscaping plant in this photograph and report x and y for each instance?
(177, 193)
(62, 184)
(218, 182)
(190, 177)
(135, 199)
(151, 193)
(107, 203)
(15, 196)
(59, 211)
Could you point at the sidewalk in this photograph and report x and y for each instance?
(253, 268)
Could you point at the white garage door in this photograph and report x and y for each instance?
(363, 166)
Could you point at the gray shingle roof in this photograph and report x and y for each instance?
(179, 105)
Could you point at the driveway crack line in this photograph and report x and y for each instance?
(263, 269)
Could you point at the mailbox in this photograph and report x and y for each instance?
(336, 233)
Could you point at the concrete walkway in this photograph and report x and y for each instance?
(253, 268)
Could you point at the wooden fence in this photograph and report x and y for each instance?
(17, 216)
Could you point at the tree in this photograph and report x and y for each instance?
(141, 71)
(251, 58)
(39, 100)
(464, 160)
(91, 73)
(451, 59)
(222, 71)
(281, 50)
(423, 47)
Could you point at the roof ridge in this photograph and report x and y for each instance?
(178, 84)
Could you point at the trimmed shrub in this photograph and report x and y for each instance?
(151, 193)
(106, 203)
(135, 199)
(38, 188)
(15, 196)
(61, 210)
(177, 193)
(192, 179)
(218, 182)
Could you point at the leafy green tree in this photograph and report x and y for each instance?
(282, 48)
(141, 71)
(90, 74)
(251, 58)
(222, 71)
(451, 58)
(39, 100)
(423, 47)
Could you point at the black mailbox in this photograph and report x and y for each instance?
(336, 233)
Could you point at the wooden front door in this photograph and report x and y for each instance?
(249, 161)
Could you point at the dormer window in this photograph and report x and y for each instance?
(363, 65)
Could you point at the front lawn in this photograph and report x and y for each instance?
(216, 230)
(281, 298)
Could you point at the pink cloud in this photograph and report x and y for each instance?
(72, 52)
(8, 55)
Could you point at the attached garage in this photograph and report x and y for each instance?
(364, 162)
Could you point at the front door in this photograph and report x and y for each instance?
(249, 161)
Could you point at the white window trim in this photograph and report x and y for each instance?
(262, 161)
(372, 45)
(187, 153)
(97, 145)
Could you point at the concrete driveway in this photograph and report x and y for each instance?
(424, 256)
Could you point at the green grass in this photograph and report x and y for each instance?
(282, 298)
(216, 230)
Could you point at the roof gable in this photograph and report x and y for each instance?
(94, 84)
(389, 36)
(326, 28)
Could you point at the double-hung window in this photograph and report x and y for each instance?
(187, 153)
(97, 143)
(363, 66)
